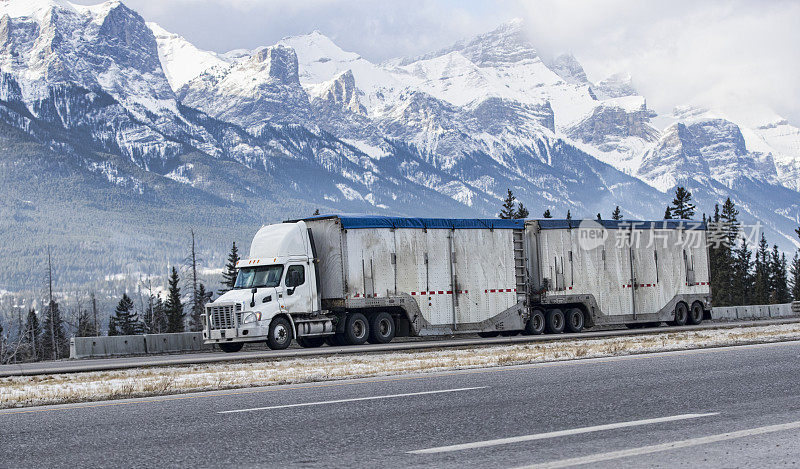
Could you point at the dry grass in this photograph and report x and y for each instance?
(139, 382)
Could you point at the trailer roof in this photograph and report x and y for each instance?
(555, 224)
(350, 222)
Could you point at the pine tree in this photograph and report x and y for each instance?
(85, 325)
(229, 274)
(125, 319)
(32, 335)
(761, 275)
(616, 214)
(778, 282)
(174, 306)
(795, 278)
(730, 222)
(54, 339)
(668, 213)
(569, 215)
(547, 214)
(508, 211)
(682, 207)
(743, 281)
(522, 212)
(196, 318)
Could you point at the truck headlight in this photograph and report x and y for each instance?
(251, 317)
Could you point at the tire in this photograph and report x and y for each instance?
(381, 328)
(334, 340)
(231, 347)
(681, 314)
(310, 342)
(573, 320)
(535, 324)
(280, 334)
(554, 321)
(695, 316)
(356, 329)
(487, 335)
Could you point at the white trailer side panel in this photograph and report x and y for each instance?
(634, 271)
(457, 276)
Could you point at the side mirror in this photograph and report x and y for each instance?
(254, 290)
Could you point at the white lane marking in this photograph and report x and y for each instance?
(559, 433)
(703, 440)
(390, 396)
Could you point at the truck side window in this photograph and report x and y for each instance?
(295, 275)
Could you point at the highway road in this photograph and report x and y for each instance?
(726, 407)
(258, 352)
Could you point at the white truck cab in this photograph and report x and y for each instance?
(275, 290)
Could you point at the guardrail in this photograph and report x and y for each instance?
(756, 311)
(120, 345)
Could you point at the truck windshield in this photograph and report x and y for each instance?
(261, 276)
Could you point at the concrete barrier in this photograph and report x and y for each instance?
(91, 347)
(756, 311)
(175, 342)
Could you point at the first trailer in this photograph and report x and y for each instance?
(350, 279)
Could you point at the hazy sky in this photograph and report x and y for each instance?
(736, 53)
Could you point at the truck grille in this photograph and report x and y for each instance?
(222, 317)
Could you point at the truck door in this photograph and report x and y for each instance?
(297, 289)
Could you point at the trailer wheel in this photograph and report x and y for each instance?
(535, 324)
(280, 334)
(487, 335)
(681, 314)
(310, 342)
(231, 347)
(695, 314)
(381, 328)
(356, 329)
(573, 322)
(555, 321)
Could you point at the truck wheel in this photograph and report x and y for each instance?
(535, 324)
(231, 347)
(681, 314)
(487, 335)
(695, 314)
(356, 329)
(554, 323)
(381, 329)
(310, 342)
(280, 334)
(334, 340)
(573, 322)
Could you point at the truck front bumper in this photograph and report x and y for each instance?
(247, 333)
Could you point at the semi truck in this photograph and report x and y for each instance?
(347, 280)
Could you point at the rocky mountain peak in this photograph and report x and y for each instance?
(341, 93)
(279, 62)
(569, 69)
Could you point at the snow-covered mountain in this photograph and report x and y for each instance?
(225, 141)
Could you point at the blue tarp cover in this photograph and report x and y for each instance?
(553, 224)
(354, 222)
